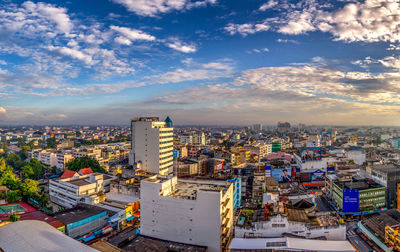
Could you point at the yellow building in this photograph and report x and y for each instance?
(392, 237)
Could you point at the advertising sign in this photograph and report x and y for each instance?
(282, 175)
(350, 201)
(219, 167)
(318, 175)
(267, 171)
(311, 153)
(330, 168)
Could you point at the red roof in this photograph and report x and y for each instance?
(68, 174)
(85, 171)
(38, 215)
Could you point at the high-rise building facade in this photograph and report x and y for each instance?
(152, 145)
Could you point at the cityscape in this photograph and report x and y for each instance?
(200, 125)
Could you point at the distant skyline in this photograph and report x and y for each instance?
(202, 62)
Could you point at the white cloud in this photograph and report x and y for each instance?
(180, 46)
(50, 12)
(268, 5)
(369, 20)
(131, 35)
(245, 29)
(3, 111)
(287, 41)
(73, 53)
(153, 7)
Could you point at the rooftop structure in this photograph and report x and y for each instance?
(34, 235)
(147, 244)
(289, 244)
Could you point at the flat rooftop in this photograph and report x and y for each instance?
(189, 189)
(377, 222)
(79, 182)
(147, 244)
(80, 212)
(358, 184)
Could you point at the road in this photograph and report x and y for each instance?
(355, 239)
(321, 205)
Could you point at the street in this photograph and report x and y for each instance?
(355, 239)
(321, 204)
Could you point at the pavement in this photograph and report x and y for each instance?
(358, 242)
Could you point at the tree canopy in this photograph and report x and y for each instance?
(84, 162)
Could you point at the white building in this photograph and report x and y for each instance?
(62, 160)
(278, 225)
(313, 142)
(47, 158)
(196, 212)
(358, 156)
(152, 145)
(187, 139)
(68, 192)
(199, 138)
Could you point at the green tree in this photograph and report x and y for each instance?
(3, 165)
(9, 179)
(51, 142)
(12, 196)
(38, 168)
(85, 162)
(13, 160)
(27, 172)
(29, 187)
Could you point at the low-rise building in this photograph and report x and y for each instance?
(68, 192)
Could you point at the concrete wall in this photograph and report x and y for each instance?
(189, 221)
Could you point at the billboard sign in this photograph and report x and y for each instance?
(267, 171)
(282, 175)
(218, 167)
(330, 168)
(318, 175)
(311, 153)
(350, 201)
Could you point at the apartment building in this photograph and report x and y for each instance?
(89, 189)
(47, 158)
(62, 160)
(152, 145)
(198, 212)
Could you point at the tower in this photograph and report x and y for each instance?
(152, 145)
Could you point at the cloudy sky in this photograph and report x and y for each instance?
(200, 61)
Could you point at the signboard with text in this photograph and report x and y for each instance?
(350, 201)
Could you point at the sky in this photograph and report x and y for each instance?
(227, 62)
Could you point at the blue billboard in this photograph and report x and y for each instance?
(282, 175)
(318, 175)
(350, 201)
(267, 171)
(330, 168)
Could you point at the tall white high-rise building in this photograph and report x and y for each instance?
(152, 145)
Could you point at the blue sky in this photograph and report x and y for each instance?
(200, 61)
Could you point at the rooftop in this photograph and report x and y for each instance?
(377, 222)
(34, 235)
(79, 182)
(80, 212)
(358, 184)
(147, 244)
(289, 244)
(189, 189)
